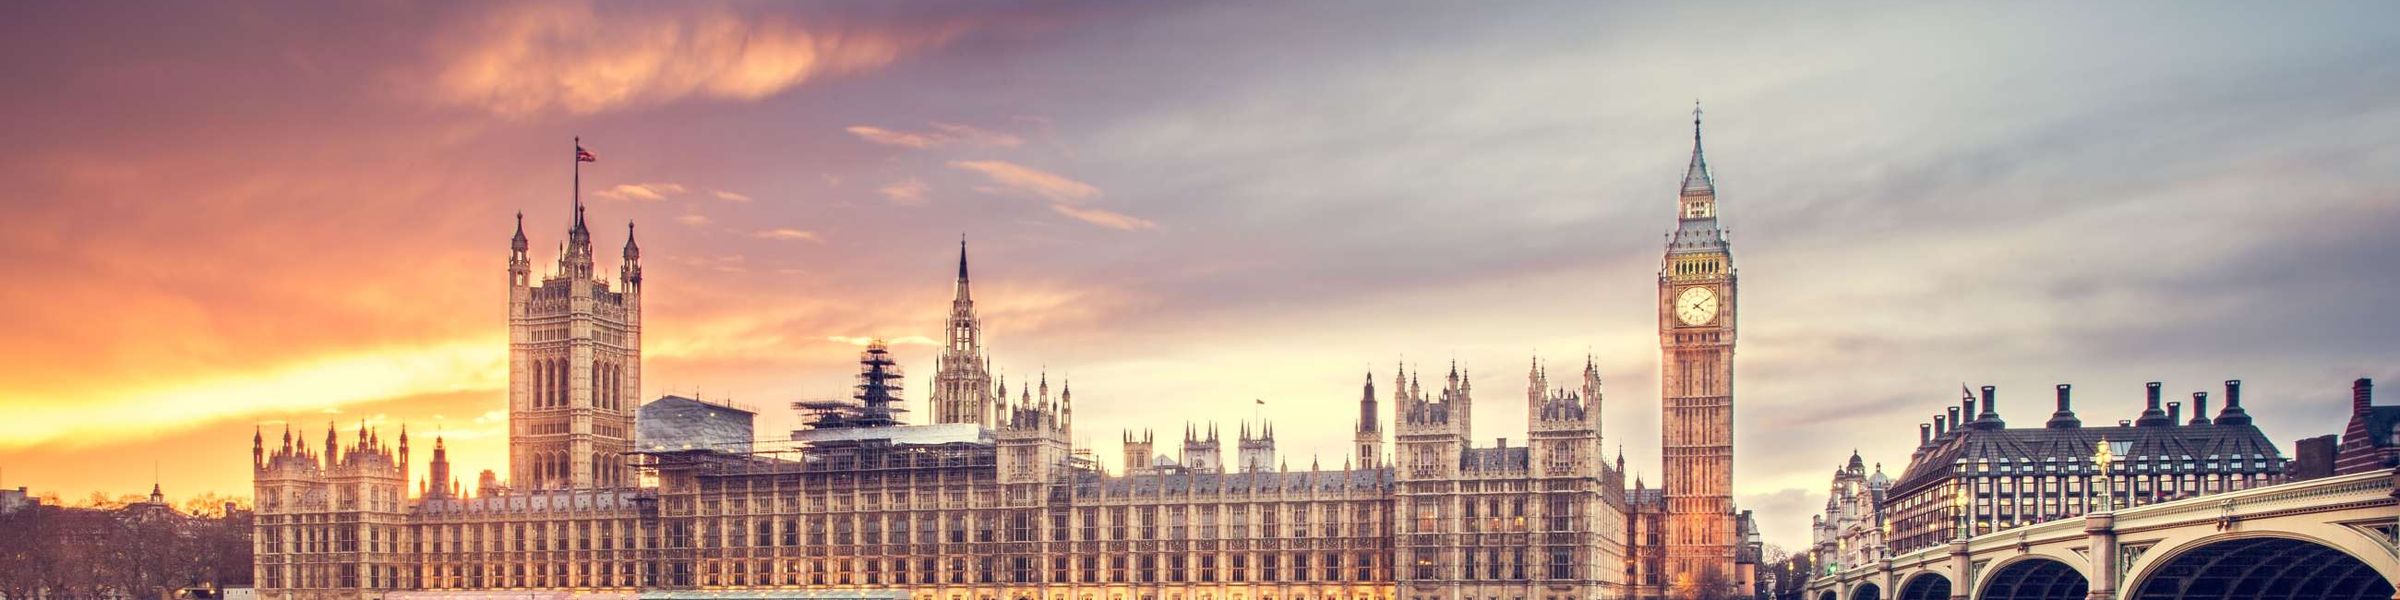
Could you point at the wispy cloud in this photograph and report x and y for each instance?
(731, 196)
(1062, 193)
(640, 191)
(939, 134)
(907, 192)
(1104, 218)
(906, 340)
(575, 58)
(1012, 177)
(787, 233)
(694, 220)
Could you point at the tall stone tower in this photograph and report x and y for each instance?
(574, 364)
(1696, 314)
(1369, 434)
(1257, 453)
(1563, 433)
(1430, 434)
(962, 382)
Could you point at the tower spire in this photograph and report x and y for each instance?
(1695, 176)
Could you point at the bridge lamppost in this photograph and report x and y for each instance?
(1960, 505)
(2104, 454)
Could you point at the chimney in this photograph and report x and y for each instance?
(1941, 425)
(2199, 408)
(1924, 434)
(1966, 410)
(2362, 395)
(1958, 421)
(1990, 418)
(2174, 412)
(2233, 414)
(2151, 415)
(2064, 417)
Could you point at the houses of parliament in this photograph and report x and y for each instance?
(609, 496)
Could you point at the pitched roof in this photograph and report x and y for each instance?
(2074, 446)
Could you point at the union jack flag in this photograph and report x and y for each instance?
(582, 155)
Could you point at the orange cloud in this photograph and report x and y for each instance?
(547, 58)
(787, 233)
(640, 191)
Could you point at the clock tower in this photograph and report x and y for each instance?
(1696, 314)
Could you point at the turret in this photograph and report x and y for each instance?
(1368, 434)
(258, 447)
(1138, 452)
(520, 268)
(437, 472)
(1257, 447)
(631, 273)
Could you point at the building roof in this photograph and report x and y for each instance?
(2071, 448)
(1238, 483)
(1496, 459)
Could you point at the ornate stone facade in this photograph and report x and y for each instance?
(1850, 535)
(991, 500)
(575, 366)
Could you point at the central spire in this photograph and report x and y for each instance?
(1695, 176)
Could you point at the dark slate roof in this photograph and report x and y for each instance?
(1495, 459)
(1237, 483)
(676, 422)
(2071, 448)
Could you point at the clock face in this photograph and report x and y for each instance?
(1696, 305)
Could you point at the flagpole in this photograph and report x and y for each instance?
(578, 176)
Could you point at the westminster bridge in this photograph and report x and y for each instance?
(2332, 538)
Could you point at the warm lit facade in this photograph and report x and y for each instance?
(990, 500)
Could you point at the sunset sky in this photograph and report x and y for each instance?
(228, 216)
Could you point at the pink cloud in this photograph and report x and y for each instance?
(941, 134)
(908, 192)
(1104, 218)
(1028, 180)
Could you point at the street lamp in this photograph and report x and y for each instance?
(1960, 504)
(2104, 454)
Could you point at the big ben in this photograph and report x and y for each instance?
(1696, 315)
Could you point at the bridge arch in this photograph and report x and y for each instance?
(1866, 591)
(2260, 565)
(1925, 586)
(1828, 595)
(2034, 577)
